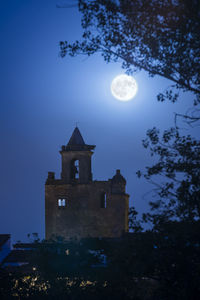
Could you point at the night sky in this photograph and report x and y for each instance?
(43, 96)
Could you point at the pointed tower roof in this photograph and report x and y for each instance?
(76, 143)
(76, 138)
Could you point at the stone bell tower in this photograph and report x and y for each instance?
(76, 160)
(77, 206)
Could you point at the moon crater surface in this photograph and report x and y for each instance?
(124, 87)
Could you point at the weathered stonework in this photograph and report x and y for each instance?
(91, 208)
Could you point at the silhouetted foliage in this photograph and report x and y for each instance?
(160, 37)
(134, 222)
(175, 176)
(175, 211)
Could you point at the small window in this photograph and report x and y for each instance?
(103, 200)
(61, 202)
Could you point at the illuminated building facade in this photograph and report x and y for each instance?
(78, 207)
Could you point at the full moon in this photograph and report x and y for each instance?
(124, 87)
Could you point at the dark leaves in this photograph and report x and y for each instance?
(161, 37)
(175, 175)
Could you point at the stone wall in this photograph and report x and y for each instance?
(83, 216)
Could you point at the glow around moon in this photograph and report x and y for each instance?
(124, 87)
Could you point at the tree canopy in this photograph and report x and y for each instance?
(160, 37)
(175, 176)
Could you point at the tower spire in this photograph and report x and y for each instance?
(76, 143)
(76, 138)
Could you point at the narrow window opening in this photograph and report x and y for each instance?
(63, 202)
(103, 200)
(59, 202)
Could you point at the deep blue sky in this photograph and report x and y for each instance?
(43, 96)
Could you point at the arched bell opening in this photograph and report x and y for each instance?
(75, 169)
